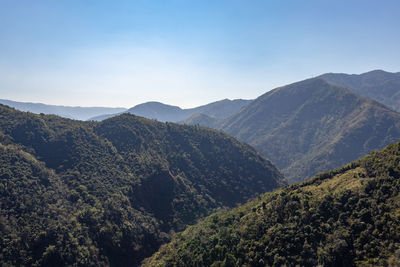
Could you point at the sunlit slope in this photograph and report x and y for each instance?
(346, 217)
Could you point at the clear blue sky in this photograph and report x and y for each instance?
(187, 52)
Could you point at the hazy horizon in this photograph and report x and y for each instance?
(128, 107)
(187, 54)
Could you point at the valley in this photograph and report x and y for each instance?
(113, 191)
(199, 133)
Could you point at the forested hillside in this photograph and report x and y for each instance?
(313, 126)
(109, 193)
(346, 217)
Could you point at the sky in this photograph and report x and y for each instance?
(186, 52)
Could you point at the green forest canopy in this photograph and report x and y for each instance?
(346, 217)
(110, 193)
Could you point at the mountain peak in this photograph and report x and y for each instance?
(378, 71)
(154, 104)
(303, 127)
(379, 85)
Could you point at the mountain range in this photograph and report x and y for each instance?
(312, 126)
(162, 112)
(346, 217)
(379, 85)
(75, 193)
(76, 113)
(306, 127)
(111, 192)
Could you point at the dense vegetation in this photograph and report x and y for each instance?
(346, 217)
(109, 193)
(379, 85)
(313, 126)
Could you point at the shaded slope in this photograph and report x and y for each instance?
(77, 113)
(117, 188)
(346, 217)
(312, 126)
(379, 85)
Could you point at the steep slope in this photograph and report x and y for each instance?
(379, 85)
(346, 217)
(162, 112)
(109, 193)
(77, 113)
(312, 126)
(41, 220)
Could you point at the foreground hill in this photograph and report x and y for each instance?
(379, 85)
(162, 112)
(346, 217)
(77, 113)
(109, 193)
(313, 126)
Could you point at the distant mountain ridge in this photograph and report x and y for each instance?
(203, 120)
(163, 112)
(379, 85)
(77, 113)
(311, 126)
